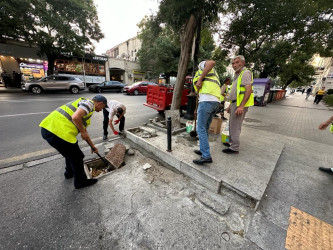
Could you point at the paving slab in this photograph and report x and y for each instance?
(247, 173)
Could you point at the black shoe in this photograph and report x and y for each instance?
(86, 183)
(105, 137)
(203, 160)
(68, 175)
(327, 170)
(226, 144)
(198, 152)
(230, 151)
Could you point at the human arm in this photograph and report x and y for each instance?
(325, 124)
(209, 65)
(77, 120)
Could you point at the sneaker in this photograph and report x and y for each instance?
(105, 137)
(202, 161)
(327, 170)
(230, 151)
(86, 183)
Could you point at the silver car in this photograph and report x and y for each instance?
(54, 82)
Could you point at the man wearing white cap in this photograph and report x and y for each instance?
(114, 108)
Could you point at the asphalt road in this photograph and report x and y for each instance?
(21, 113)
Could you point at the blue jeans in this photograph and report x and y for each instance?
(206, 110)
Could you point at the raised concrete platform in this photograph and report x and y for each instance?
(247, 173)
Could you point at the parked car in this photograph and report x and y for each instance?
(107, 86)
(54, 82)
(138, 88)
(299, 89)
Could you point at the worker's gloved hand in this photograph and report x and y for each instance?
(115, 132)
(116, 122)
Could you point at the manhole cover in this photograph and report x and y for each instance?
(251, 120)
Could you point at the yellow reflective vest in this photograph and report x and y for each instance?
(210, 84)
(241, 91)
(59, 121)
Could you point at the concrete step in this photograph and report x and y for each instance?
(244, 176)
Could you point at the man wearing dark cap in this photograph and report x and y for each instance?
(113, 108)
(60, 129)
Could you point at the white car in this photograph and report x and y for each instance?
(54, 82)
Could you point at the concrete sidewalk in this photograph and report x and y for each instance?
(132, 208)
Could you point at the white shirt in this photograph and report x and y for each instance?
(112, 108)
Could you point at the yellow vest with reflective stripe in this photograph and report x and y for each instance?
(210, 84)
(241, 91)
(59, 121)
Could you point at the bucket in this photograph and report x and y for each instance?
(189, 126)
(225, 136)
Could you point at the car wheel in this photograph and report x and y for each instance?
(99, 90)
(136, 92)
(36, 90)
(74, 90)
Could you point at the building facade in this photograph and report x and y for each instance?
(126, 50)
(324, 72)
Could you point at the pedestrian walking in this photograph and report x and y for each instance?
(60, 129)
(319, 95)
(323, 126)
(308, 92)
(114, 108)
(206, 83)
(240, 98)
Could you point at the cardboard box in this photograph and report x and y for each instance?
(215, 126)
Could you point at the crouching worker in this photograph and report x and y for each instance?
(114, 108)
(60, 129)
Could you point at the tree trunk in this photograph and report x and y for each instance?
(50, 61)
(186, 39)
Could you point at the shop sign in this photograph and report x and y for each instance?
(37, 71)
(100, 58)
(138, 72)
(31, 65)
(5, 52)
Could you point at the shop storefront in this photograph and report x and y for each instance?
(32, 69)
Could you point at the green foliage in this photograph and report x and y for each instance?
(278, 36)
(160, 48)
(54, 25)
(328, 99)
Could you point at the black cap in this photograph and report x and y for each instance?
(100, 98)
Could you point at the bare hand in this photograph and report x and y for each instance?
(199, 84)
(228, 109)
(239, 110)
(94, 149)
(323, 125)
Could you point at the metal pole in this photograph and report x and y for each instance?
(169, 133)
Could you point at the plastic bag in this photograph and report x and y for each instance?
(189, 126)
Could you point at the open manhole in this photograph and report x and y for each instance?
(96, 168)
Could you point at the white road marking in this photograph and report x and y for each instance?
(2, 116)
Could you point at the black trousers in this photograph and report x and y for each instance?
(72, 153)
(106, 122)
(318, 99)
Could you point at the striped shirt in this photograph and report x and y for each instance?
(86, 105)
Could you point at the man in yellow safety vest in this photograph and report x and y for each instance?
(60, 129)
(206, 82)
(240, 98)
